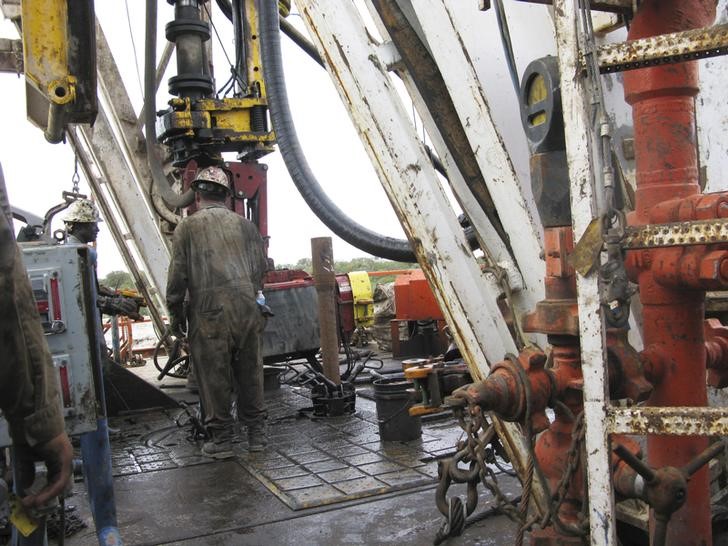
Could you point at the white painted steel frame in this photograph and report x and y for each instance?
(591, 326)
(458, 72)
(115, 166)
(466, 295)
(491, 243)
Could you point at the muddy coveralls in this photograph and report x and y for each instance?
(219, 258)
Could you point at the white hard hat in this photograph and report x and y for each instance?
(210, 177)
(82, 210)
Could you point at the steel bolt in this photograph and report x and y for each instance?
(723, 209)
(714, 269)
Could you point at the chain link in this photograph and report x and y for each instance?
(479, 433)
(573, 458)
(501, 278)
(75, 178)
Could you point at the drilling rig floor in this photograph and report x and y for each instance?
(320, 481)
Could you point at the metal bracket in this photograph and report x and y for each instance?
(682, 421)
(698, 232)
(665, 49)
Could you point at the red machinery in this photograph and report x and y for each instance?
(672, 279)
(418, 311)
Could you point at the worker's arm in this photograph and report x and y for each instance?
(29, 395)
(118, 305)
(177, 281)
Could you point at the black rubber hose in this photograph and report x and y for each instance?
(301, 41)
(171, 198)
(288, 29)
(306, 183)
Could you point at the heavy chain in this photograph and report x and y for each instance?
(573, 458)
(476, 452)
(501, 278)
(472, 451)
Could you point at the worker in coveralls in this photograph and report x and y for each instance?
(82, 227)
(218, 258)
(29, 395)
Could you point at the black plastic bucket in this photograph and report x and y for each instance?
(393, 403)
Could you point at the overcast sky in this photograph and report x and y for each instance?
(37, 172)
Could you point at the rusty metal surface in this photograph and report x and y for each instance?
(676, 234)
(665, 49)
(676, 421)
(667, 170)
(322, 257)
(591, 327)
(598, 5)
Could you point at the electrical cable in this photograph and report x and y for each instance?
(133, 49)
(288, 29)
(505, 35)
(234, 74)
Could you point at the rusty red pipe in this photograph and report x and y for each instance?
(663, 103)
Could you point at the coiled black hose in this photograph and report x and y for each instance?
(304, 179)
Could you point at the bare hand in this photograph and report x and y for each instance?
(58, 456)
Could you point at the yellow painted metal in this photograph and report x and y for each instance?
(284, 7)
(361, 289)
(418, 410)
(230, 117)
(45, 44)
(253, 56)
(537, 92)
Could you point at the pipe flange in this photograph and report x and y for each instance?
(179, 27)
(189, 82)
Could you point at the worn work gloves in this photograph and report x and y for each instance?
(119, 305)
(178, 326)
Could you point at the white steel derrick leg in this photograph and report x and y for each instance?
(458, 72)
(119, 178)
(490, 242)
(591, 326)
(466, 296)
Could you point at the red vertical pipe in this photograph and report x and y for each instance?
(663, 101)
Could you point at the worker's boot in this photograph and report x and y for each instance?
(219, 446)
(257, 439)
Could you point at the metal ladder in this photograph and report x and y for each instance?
(602, 418)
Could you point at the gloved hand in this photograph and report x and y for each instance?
(178, 326)
(57, 454)
(119, 305)
(265, 310)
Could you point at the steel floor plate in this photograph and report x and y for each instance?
(309, 462)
